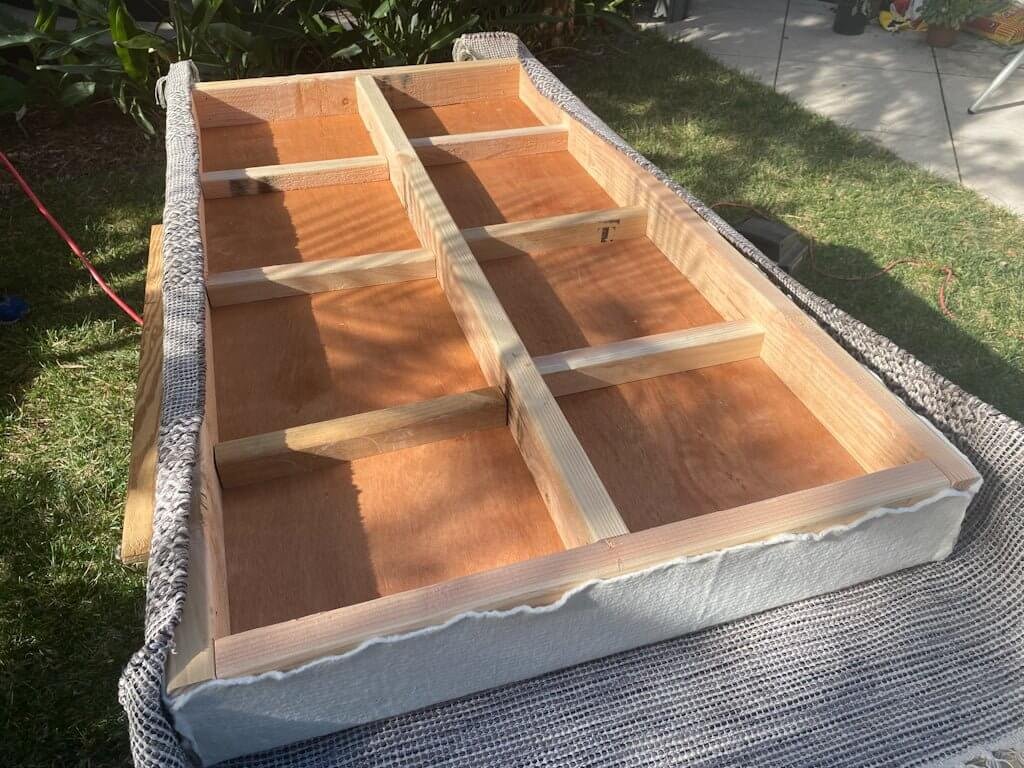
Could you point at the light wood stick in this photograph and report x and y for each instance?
(273, 282)
(588, 368)
(484, 145)
(280, 178)
(312, 446)
(498, 241)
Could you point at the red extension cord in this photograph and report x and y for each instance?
(67, 239)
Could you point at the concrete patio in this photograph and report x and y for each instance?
(891, 88)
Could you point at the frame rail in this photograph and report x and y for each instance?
(578, 502)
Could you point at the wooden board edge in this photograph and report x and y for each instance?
(498, 241)
(281, 178)
(308, 277)
(645, 357)
(137, 526)
(543, 580)
(487, 145)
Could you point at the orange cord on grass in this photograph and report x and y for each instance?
(948, 274)
(67, 239)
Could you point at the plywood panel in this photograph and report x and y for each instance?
(513, 189)
(285, 141)
(296, 360)
(305, 225)
(684, 445)
(381, 525)
(579, 297)
(473, 116)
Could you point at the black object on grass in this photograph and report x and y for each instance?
(778, 242)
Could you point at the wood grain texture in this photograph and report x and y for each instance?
(137, 529)
(514, 189)
(543, 580)
(468, 117)
(301, 140)
(687, 444)
(313, 446)
(386, 134)
(591, 295)
(380, 526)
(578, 504)
(871, 423)
(545, 110)
(262, 283)
(280, 178)
(486, 145)
(499, 241)
(305, 359)
(305, 225)
(619, 362)
(237, 102)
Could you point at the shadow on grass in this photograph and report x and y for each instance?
(75, 619)
(728, 138)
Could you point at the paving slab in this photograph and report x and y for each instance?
(935, 155)
(809, 37)
(866, 98)
(753, 31)
(974, 56)
(758, 67)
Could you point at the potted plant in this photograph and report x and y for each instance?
(852, 16)
(944, 18)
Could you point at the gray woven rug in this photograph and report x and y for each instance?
(922, 668)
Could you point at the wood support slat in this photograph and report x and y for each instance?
(491, 242)
(543, 580)
(497, 241)
(485, 145)
(273, 282)
(872, 425)
(137, 530)
(578, 502)
(312, 446)
(665, 353)
(280, 178)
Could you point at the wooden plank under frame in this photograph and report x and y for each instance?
(580, 506)
(137, 531)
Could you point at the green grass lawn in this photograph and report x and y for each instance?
(70, 615)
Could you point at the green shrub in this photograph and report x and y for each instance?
(107, 54)
(953, 13)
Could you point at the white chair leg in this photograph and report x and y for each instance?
(1001, 78)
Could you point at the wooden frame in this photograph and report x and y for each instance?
(632, 237)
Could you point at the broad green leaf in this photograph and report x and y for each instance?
(122, 29)
(12, 95)
(75, 93)
(21, 38)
